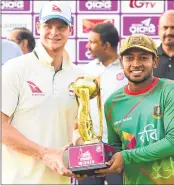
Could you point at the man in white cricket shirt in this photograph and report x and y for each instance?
(38, 110)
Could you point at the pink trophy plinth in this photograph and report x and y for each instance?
(86, 159)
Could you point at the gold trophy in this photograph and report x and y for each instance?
(85, 159)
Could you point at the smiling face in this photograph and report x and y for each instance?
(138, 65)
(54, 34)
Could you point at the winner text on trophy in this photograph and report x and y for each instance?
(85, 159)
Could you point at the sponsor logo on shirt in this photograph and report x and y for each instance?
(120, 76)
(70, 89)
(35, 89)
(123, 120)
(157, 114)
(130, 138)
(149, 133)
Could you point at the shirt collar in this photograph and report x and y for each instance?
(116, 62)
(160, 51)
(45, 58)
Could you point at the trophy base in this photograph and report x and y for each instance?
(86, 159)
(90, 170)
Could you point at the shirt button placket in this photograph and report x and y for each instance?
(170, 62)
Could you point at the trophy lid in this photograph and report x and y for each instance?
(89, 82)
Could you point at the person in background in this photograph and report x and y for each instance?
(24, 38)
(165, 67)
(140, 118)
(10, 50)
(38, 109)
(102, 44)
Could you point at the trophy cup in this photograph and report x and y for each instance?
(85, 159)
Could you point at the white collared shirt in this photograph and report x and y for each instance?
(111, 79)
(44, 112)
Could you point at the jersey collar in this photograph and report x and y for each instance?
(146, 89)
(45, 58)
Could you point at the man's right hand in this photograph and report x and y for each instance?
(53, 158)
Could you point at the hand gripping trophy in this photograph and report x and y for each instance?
(85, 159)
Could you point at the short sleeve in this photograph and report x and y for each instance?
(10, 88)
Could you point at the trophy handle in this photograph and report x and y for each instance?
(99, 104)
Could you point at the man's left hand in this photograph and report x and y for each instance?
(115, 165)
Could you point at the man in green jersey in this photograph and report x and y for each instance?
(140, 118)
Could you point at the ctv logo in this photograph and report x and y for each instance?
(140, 4)
(145, 27)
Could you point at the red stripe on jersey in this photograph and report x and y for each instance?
(149, 87)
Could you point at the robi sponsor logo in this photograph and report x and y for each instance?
(145, 27)
(140, 4)
(12, 5)
(140, 25)
(98, 5)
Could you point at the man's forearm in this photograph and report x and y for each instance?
(12, 138)
(158, 150)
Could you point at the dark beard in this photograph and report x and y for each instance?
(139, 81)
(170, 44)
